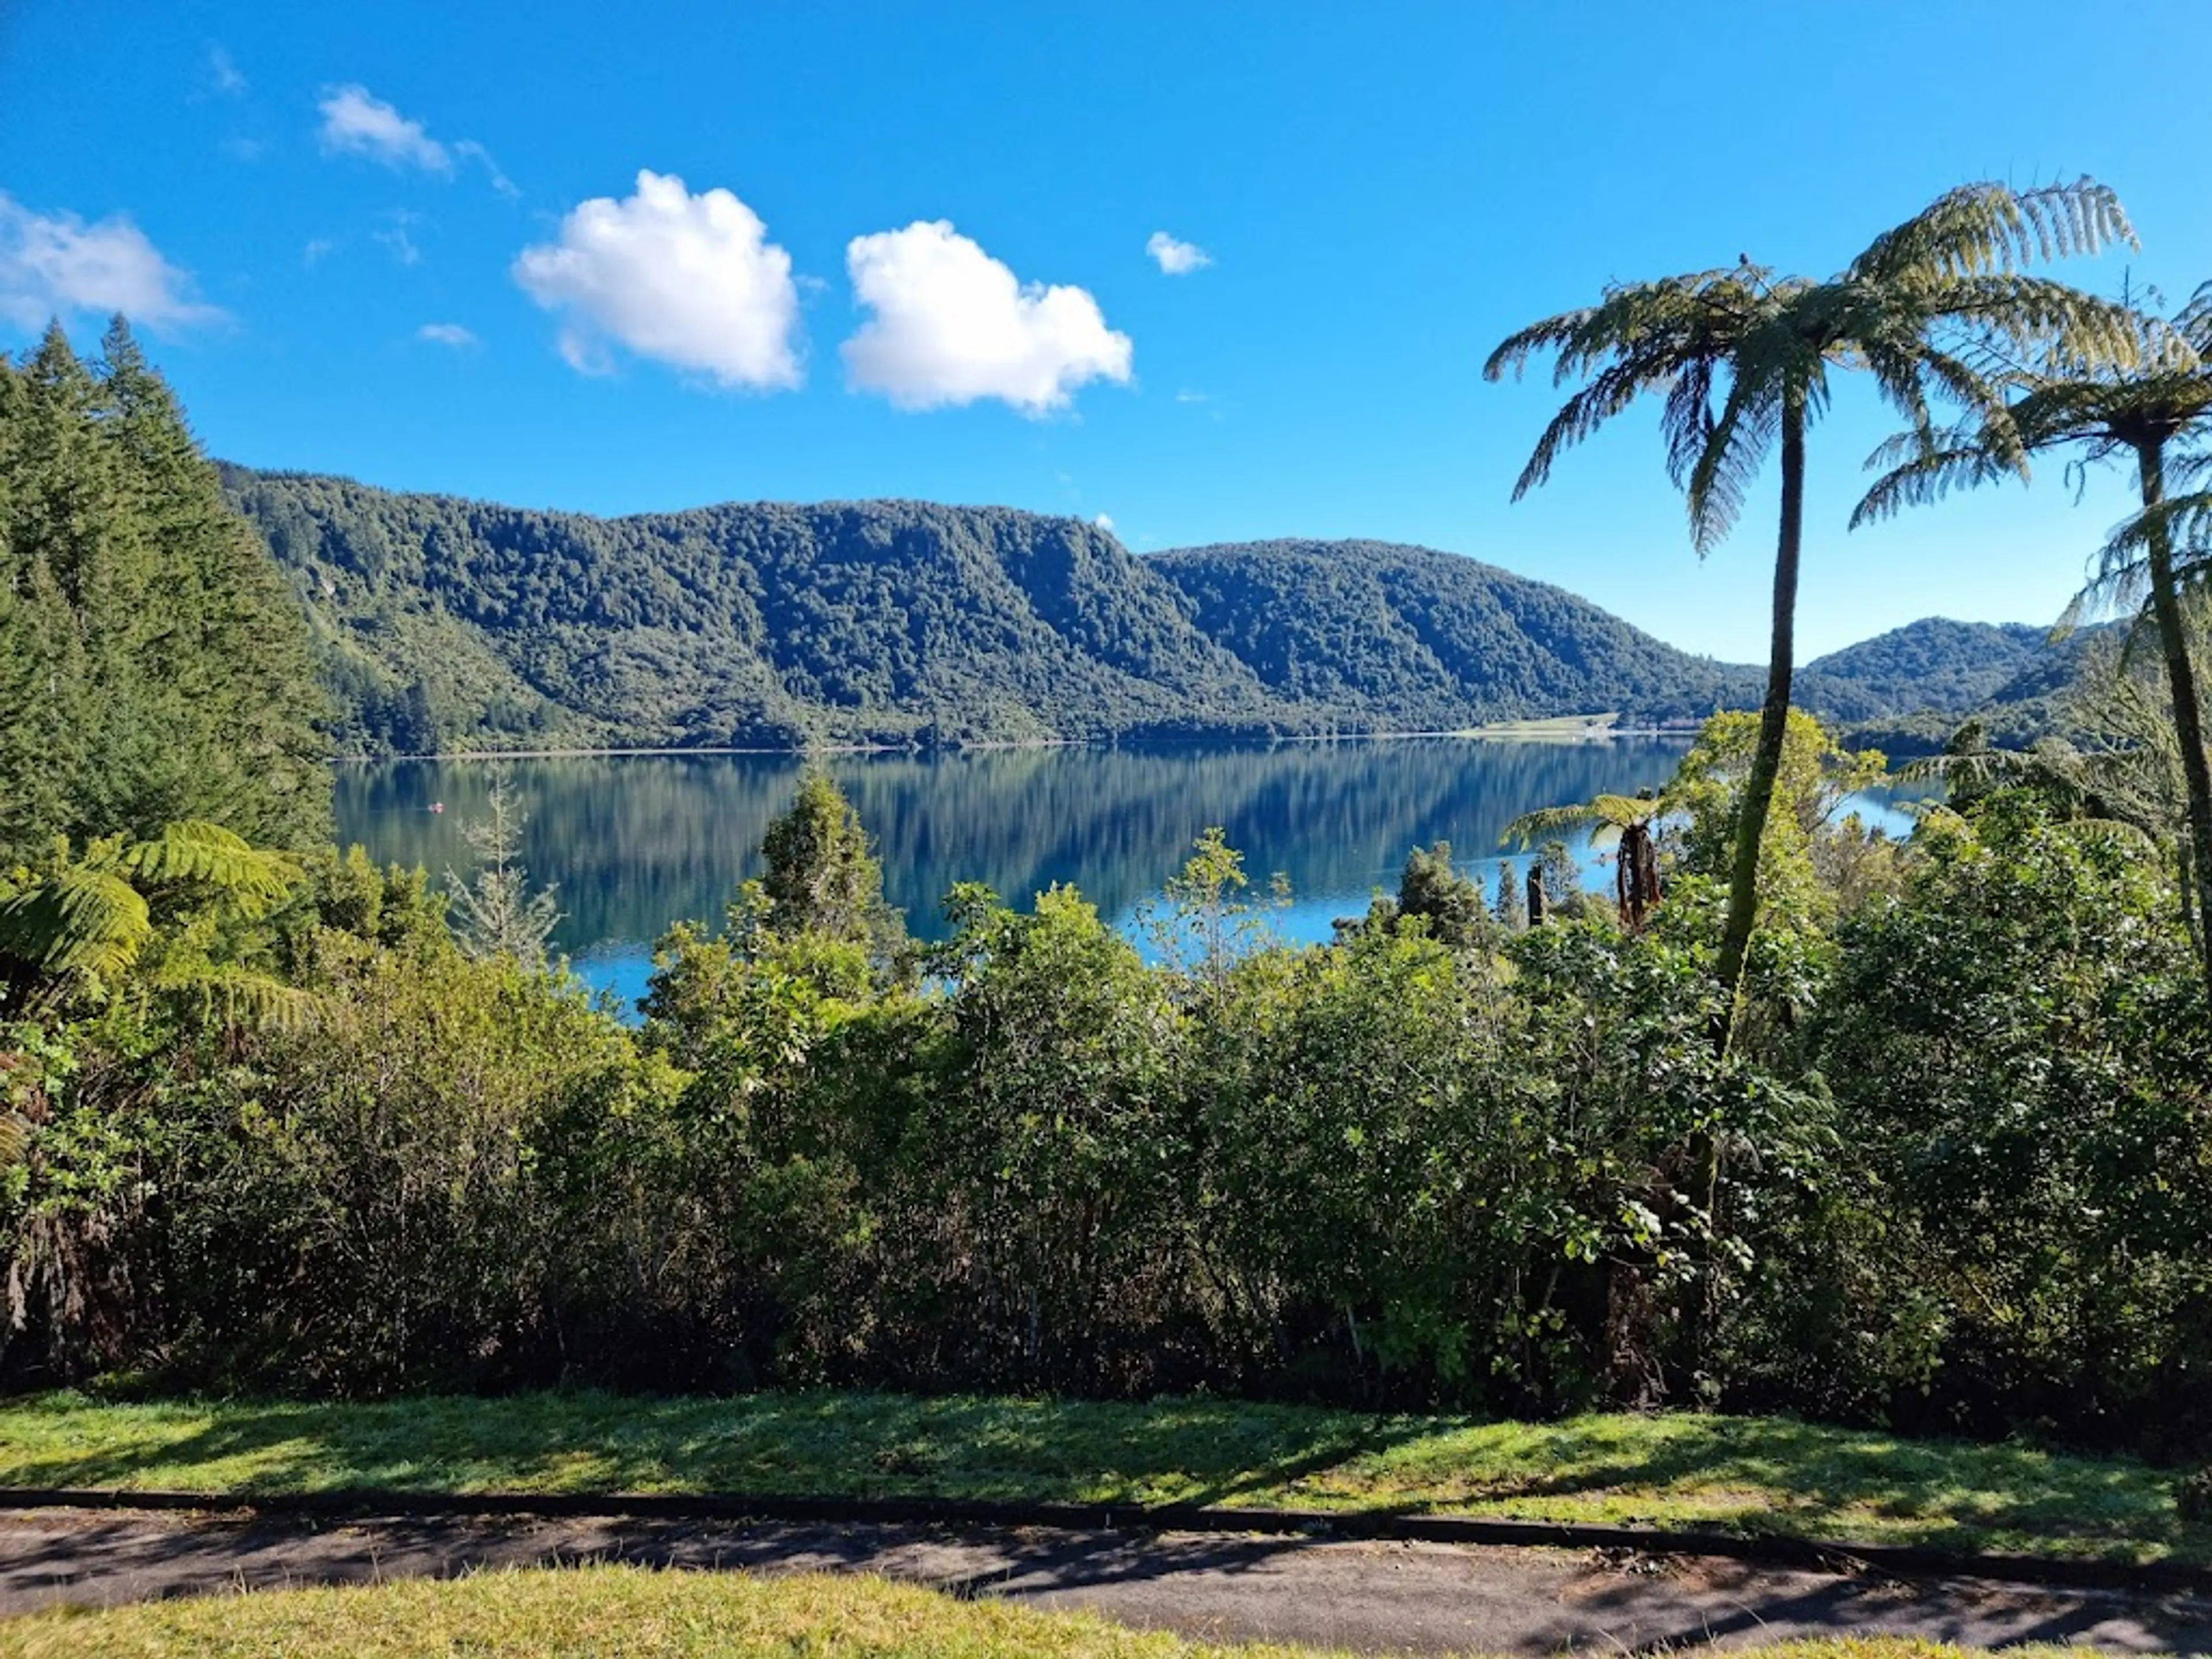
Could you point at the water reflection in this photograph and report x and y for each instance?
(637, 842)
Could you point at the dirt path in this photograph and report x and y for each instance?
(1378, 1598)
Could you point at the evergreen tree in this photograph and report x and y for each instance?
(153, 666)
(1508, 907)
(494, 912)
(1451, 901)
(823, 878)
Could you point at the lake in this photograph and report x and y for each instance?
(632, 843)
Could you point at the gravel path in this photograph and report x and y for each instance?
(1374, 1597)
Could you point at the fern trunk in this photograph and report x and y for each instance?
(1774, 726)
(2188, 711)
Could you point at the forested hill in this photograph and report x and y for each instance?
(448, 623)
(1935, 663)
(440, 622)
(1406, 636)
(1905, 691)
(444, 621)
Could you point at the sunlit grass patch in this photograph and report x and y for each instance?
(1685, 1470)
(601, 1613)
(634, 1613)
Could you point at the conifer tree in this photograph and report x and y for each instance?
(153, 668)
(495, 913)
(822, 878)
(1509, 908)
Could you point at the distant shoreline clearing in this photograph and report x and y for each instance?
(1566, 728)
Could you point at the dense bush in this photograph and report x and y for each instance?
(1957, 1172)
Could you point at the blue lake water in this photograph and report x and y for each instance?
(633, 843)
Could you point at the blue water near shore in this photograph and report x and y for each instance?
(634, 843)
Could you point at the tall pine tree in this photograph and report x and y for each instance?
(152, 667)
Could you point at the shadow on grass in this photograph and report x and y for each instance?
(1753, 1474)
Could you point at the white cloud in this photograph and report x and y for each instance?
(55, 264)
(476, 152)
(1176, 258)
(688, 280)
(1193, 397)
(1105, 522)
(356, 123)
(223, 73)
(318, 249)
(953, 324)
(448, 334)
(398, 236)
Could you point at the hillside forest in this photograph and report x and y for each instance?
(442, 625)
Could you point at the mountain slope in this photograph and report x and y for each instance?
(1934, 663)
(440, 622)
(1402, 635)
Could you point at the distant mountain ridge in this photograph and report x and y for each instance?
(440, 623)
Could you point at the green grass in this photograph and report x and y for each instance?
(632, 1613)
(1747, 1474)
(605, 1612)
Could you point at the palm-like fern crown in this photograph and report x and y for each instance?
(2156, 396)
(1606, 817)
(1932, 307)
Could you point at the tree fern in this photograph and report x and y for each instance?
(2150, 408)
(1934, 312)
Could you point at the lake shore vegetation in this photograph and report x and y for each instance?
(278, 1123)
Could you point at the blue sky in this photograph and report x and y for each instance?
(409, 243)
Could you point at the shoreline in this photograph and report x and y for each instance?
(1562, 730)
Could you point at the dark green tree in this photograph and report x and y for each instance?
(156, 667)
(1507, 906)
(823, 878)
(1447, 898)
(1741, 359)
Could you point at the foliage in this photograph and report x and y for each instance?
(2016, 1040)
(1420, 1165)
(447, 624)
(493, 911)
(822, 880)
(1740, 361)
(153, 668)
(2151, 408)
(179, 915)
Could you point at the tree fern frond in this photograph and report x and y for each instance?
(1621, 811)
(2193, 322)
(208, 855)
(1924, 480)
(78, 920)
(239, 994)
(1605, 814)
(1547, 820)
(1610, 393)
(1718, 486)
(2120, 576)
(1978, 228)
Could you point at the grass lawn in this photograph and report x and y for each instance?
(1753, 1474)
(631, 1612)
